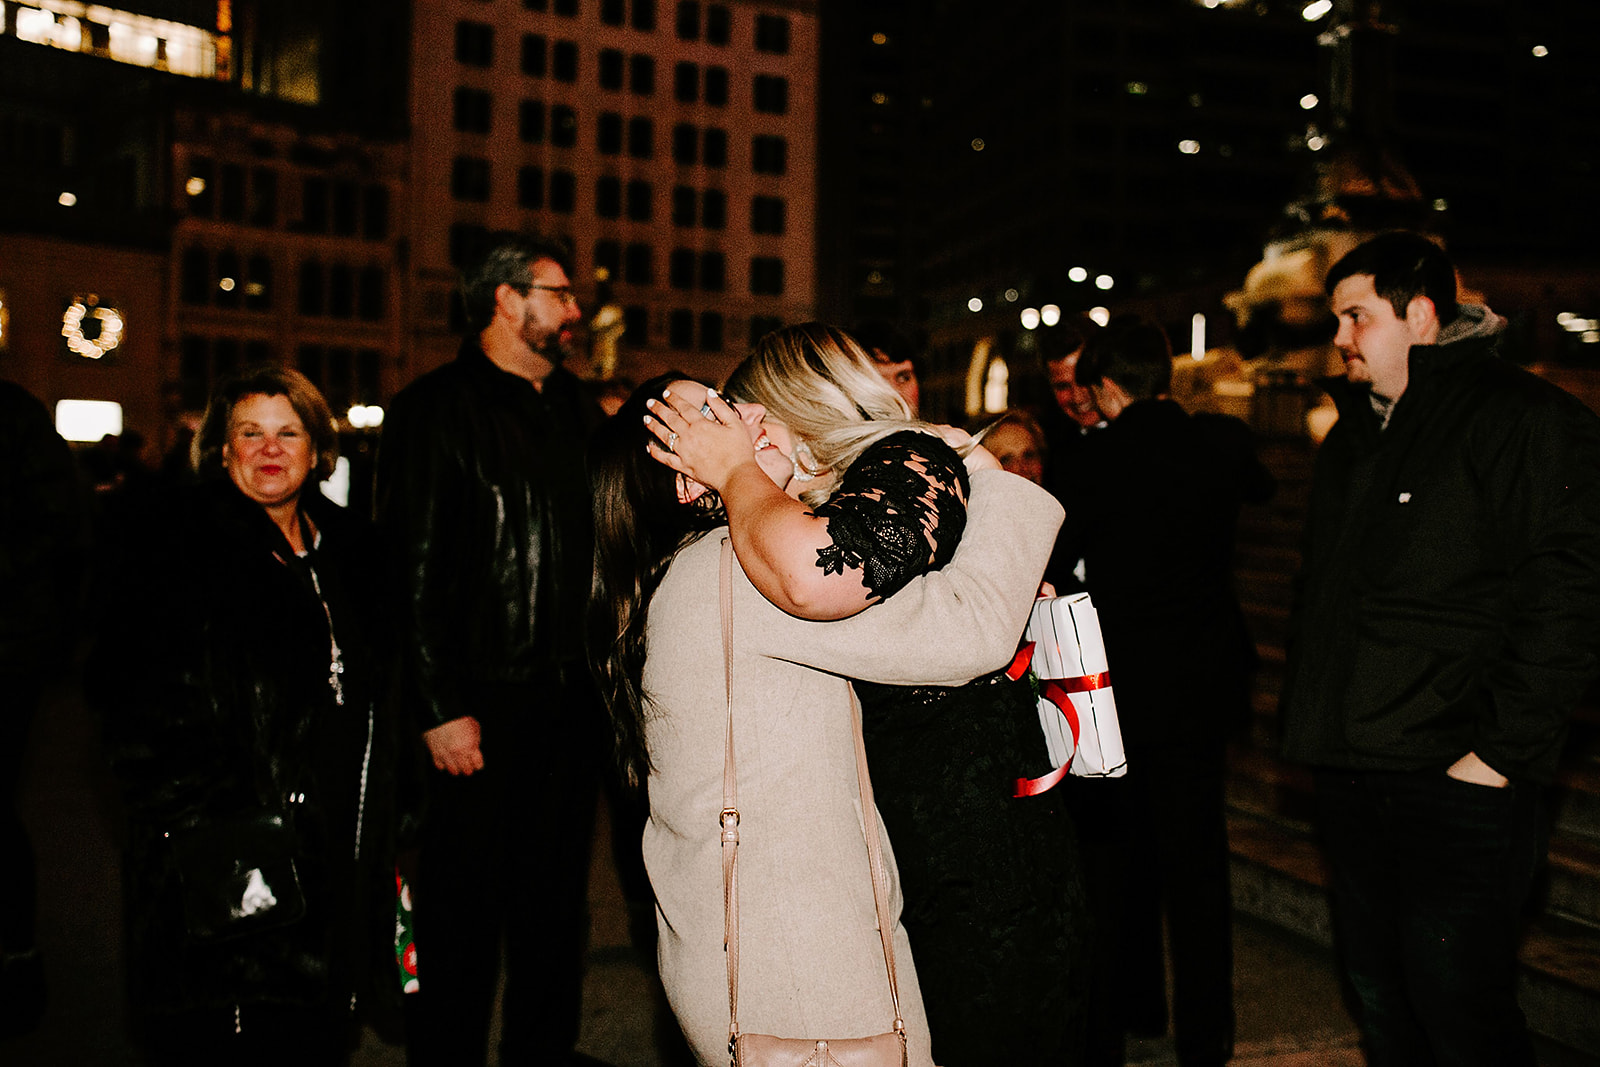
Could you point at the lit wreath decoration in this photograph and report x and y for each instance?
(108, 336)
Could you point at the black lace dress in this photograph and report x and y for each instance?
(993, 902)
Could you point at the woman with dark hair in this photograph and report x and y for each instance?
(239, 678)
(994, 906)
(812, 965)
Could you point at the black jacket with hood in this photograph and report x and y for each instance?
(1449, 600)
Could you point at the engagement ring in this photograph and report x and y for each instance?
(672, 441)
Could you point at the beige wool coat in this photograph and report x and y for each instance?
(811, 963)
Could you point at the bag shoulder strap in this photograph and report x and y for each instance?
(730, 829)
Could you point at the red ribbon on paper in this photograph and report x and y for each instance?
(1056, 691)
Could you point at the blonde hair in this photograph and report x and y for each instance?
(822, 385)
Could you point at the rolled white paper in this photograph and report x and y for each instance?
(1065, 631)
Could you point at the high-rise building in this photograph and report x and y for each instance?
(673, 143)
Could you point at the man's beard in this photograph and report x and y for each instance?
(547, 345)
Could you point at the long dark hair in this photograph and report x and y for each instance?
(639, 525)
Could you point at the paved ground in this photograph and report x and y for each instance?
(1287, 993)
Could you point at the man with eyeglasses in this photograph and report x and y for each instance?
(484, 499)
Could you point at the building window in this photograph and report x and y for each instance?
(608, 133)
(680, 329)
(719, 24)
(563, 126)
(766, 276)
(641, 199)
(766, 214)
(635, 325)
(613, 12)
(195, 276)
(769, 154)
(346, 210)
(536, 5)
(608, 198)
(469, 178)
(610, 68)
(535, 48)
(311, 285)
(644, 15)
(641, 74)
(714, 209)
(682, 205)
(530, 188)
(231, 197)
(710, 331)
(608, 257)
(466, 240)
(474, 44)
(761, 325)
(263, 196)
(370, 293)
(717, 86)
(472, 109)
(341, 292)
(715, 149)
(564, 62)
(684, 137)
(686, 83)
(640, 264)
(258, 287)
(314, 205)
(530, 120)
(688, 21)
(680, 269)
(713, 273)
(569, 8)
(563, 191)
(375, 213)
(772, 94)
(641, 138)
(772, 34)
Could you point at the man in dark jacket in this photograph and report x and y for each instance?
(483, 494)
(1155, 522)
(1445, 624)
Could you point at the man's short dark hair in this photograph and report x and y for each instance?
(504, 259)
(882, 336)
(1060, 341)
(1131, 352)
(1404, 266)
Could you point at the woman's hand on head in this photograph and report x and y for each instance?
(705, 443)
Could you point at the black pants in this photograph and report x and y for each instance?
(1155, 844)
(252, 1035)
(505, 855)
(1429, 878)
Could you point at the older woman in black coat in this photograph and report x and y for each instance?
(239, 677)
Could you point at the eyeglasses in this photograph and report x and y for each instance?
(562, 293)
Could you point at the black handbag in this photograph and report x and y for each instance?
(238, 875)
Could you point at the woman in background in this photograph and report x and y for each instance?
(240, 683)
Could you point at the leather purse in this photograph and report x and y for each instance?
(238, 875)
(762, 1050)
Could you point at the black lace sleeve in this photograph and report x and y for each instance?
(898, 512)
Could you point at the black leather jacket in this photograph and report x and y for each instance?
(211, 673)
(484, 501)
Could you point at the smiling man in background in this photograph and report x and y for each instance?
(1445, 624)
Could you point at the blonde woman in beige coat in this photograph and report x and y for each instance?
(811, 962)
